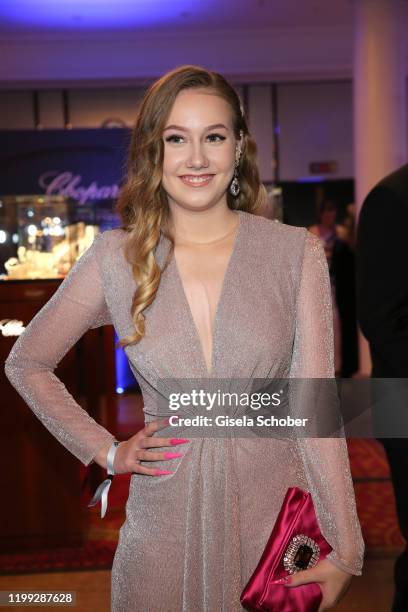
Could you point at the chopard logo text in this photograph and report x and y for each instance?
(69, 185)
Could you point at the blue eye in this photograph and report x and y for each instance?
(176, 138)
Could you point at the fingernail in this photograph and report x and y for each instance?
(175, 441)
(162, 472)
(288, 580)
(172, 455)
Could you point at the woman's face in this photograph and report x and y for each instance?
(199, 150)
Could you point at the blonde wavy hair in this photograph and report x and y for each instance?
(142, 203)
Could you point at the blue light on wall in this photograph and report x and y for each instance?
(94, 14)
(124, 375)
(311, 179)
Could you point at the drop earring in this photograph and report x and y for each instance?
(235, 187)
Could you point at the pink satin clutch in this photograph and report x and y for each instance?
(295, 543)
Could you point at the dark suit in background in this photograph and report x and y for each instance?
(382, 298)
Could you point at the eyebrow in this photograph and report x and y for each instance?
(182, 129)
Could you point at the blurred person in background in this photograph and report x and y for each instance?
(336, 241)
(349, 223)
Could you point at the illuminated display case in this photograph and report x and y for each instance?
(41, 237)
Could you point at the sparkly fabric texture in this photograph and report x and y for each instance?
(192, 539)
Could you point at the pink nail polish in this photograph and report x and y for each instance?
(175, 441)
(172, 455)
(288, 580)
(162, 472)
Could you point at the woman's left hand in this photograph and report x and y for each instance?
(333, 582)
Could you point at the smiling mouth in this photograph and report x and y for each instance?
(195, 180)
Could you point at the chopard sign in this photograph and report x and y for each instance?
(69, 185)
(11, 327)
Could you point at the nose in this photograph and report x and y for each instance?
(197, 157)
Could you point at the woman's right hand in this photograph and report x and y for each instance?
(130, 452)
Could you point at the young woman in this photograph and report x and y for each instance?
(198, 287)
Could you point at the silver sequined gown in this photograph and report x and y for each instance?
(191, 539)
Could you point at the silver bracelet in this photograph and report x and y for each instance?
(102, 491)
(111, 457)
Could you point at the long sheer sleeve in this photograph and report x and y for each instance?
(77, 306)
(325, 460)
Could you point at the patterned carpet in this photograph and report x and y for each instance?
(375, 505)
(374, 497)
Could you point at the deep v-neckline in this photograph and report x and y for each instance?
(221, 297)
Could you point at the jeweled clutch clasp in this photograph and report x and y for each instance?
(302, 553)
